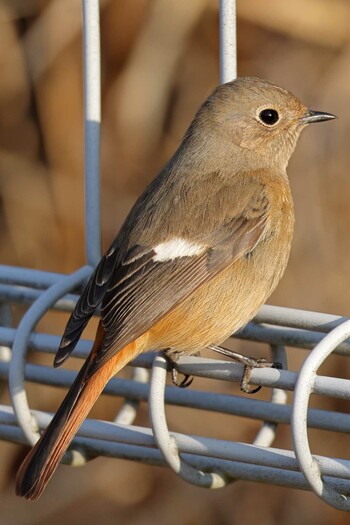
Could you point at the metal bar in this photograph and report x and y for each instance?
(167, 443)
(92, 108)
(101, 437)
(267, 433)
(304, 387)
(295, 318)
(28, 322)
(274, 335)
(190, 365)
(223, 403)
(46, 343)
(27, 277)
(228, 43)
(22, 295)
(128, 411)
(277, 335)
(209, 368)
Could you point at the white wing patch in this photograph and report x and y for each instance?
(177, 247)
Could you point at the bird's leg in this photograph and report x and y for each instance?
(249, 363)
(173, 358)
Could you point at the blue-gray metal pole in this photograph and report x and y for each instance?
(92, 109)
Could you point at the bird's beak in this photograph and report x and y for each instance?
(316, 116)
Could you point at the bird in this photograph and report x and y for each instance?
(201, 250)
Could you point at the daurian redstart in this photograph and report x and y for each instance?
(199, 253)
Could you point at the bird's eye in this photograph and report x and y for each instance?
(269, 116)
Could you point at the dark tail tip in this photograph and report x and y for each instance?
(27, 481)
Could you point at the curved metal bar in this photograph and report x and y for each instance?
(303, 389)
(24, 330)
(167, 443)
(128, 411)
(266, 435)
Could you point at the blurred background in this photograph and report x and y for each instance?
(160, 60)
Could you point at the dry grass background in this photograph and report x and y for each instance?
(159, 61)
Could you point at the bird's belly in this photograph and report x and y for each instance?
(224, 304)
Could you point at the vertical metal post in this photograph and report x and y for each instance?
(228, 42)
(92, 110)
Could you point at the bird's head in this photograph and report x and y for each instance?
(262, 120)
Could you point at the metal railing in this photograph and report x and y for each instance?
(199, 460)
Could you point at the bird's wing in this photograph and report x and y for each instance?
(135, 302)
(141, 287)
(89, 300)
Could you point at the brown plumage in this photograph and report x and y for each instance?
(199, 253)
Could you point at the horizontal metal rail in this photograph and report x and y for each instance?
(249, 462)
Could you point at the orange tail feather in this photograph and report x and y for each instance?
(42, 461)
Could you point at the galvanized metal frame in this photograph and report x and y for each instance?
(199, 460)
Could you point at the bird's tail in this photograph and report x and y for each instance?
(42, 461)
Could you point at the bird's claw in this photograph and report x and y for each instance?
(255, 363)
(187, 379)
(185, 382)
(249, 364)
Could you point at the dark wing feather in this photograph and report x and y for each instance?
(89, 300)
(95, 290)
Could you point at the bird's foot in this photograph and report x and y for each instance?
(249, 364)
(173, 358)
